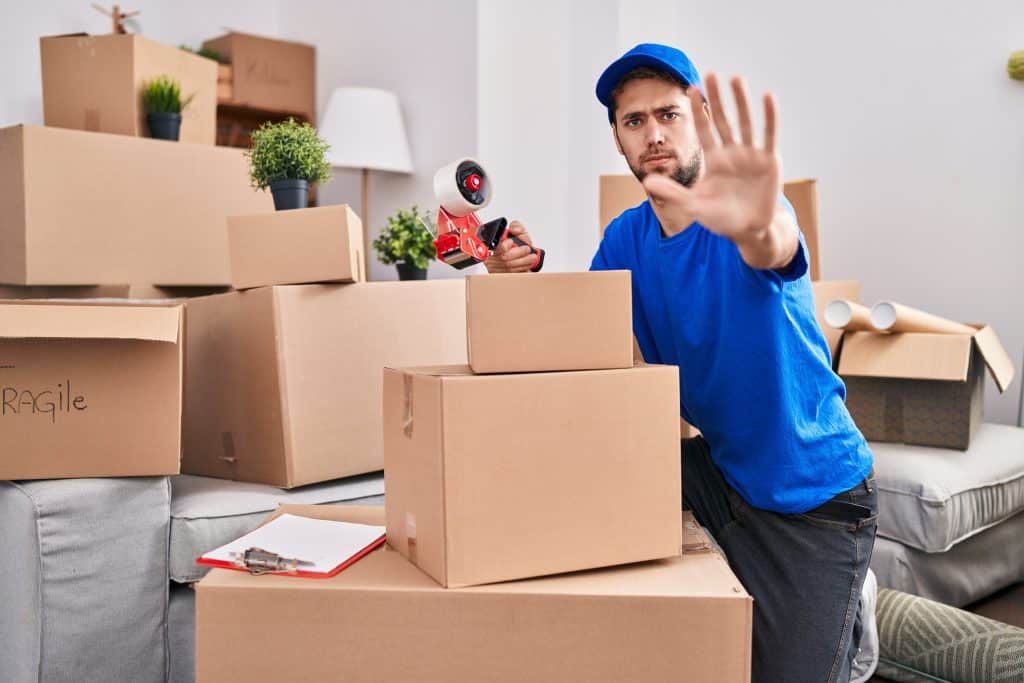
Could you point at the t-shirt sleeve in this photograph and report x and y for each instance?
(800, 264)
(608, 256)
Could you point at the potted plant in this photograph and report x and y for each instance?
(407, 243)
(287, 157)
(162, 98)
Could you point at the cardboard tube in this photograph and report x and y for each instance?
(844, 314)
(888, 316)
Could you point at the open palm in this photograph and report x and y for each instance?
(738, 193)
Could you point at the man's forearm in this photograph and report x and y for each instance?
(774, 247)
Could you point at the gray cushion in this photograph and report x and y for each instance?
(206, 512)
(969, 571)
(933, 498)
(83, 580)
(181, 634)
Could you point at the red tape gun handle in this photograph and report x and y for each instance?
(539, 253)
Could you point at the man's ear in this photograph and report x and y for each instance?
(615, 135)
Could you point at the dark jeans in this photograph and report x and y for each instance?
(804, 571)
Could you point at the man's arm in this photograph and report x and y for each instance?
(774, 247)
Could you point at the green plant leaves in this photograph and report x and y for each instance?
(163, 94)
(287, 151)
(406, 240)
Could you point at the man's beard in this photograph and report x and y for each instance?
(686, 175)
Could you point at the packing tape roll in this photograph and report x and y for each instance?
(888, 316)
(446, 189)
(844, 314)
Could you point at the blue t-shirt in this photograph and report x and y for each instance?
(755, 372)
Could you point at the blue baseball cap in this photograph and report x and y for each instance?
(662, 57)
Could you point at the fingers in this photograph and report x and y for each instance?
(739, 91)
(718, 112)
(769, 123)
(517, 229)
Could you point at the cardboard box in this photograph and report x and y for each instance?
(686, 618)
(283, 384)
(95, 83)
(828, 290)
(803, 195)
(923, 389)
(275, 75)
(322, 244)
(89, 390)
(528, 322)
(80, 208)
(620, 192)
(498, 477)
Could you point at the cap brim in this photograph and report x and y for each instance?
(614, 73)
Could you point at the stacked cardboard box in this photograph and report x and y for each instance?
(283, 379)
(563, 457)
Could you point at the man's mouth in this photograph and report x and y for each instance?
(657, 158)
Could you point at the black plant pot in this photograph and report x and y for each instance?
(164, 125)
(407, 271)
(290, 194)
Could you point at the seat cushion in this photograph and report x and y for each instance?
(206, 513)
(933, 498)
(83, 595)
(969, 571)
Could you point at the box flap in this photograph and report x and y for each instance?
(74, 321)
(906, 356)
(996, 357)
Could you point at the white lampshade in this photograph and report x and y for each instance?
(365, 130)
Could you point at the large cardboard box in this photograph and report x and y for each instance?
(300, 246)
(89, 390)
(686, 618)
(829, 290)
(923, 389)
(620, 192)
(529, 322)
(95, 83)
(283, 384)
(80, 208)
(140, 292)
(274, 75)
(498, 477)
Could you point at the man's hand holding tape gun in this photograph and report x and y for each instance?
(508, 258)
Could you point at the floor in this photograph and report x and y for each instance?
(1006, 606)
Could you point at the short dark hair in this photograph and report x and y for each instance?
(641, 73)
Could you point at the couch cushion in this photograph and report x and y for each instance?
(83, 595)
(969, 571)
(933, 498)
(207, 513)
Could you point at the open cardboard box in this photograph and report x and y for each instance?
(920, 388)
(382, 619)
(89, 390)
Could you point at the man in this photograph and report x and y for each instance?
(781, 476)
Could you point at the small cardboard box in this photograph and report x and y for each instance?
(273, 75)
(300, 246)
(89, 390)
(686, 618)
(498, 477)
(80, 208)
(283, 384)
(95, 83)
(549, 321)
(923, 389)
(620, 192)
(828, 290)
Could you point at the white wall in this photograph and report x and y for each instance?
(397, 46)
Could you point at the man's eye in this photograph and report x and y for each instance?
(633, 123)
(671, 115)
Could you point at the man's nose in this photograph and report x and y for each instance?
(655, 135)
